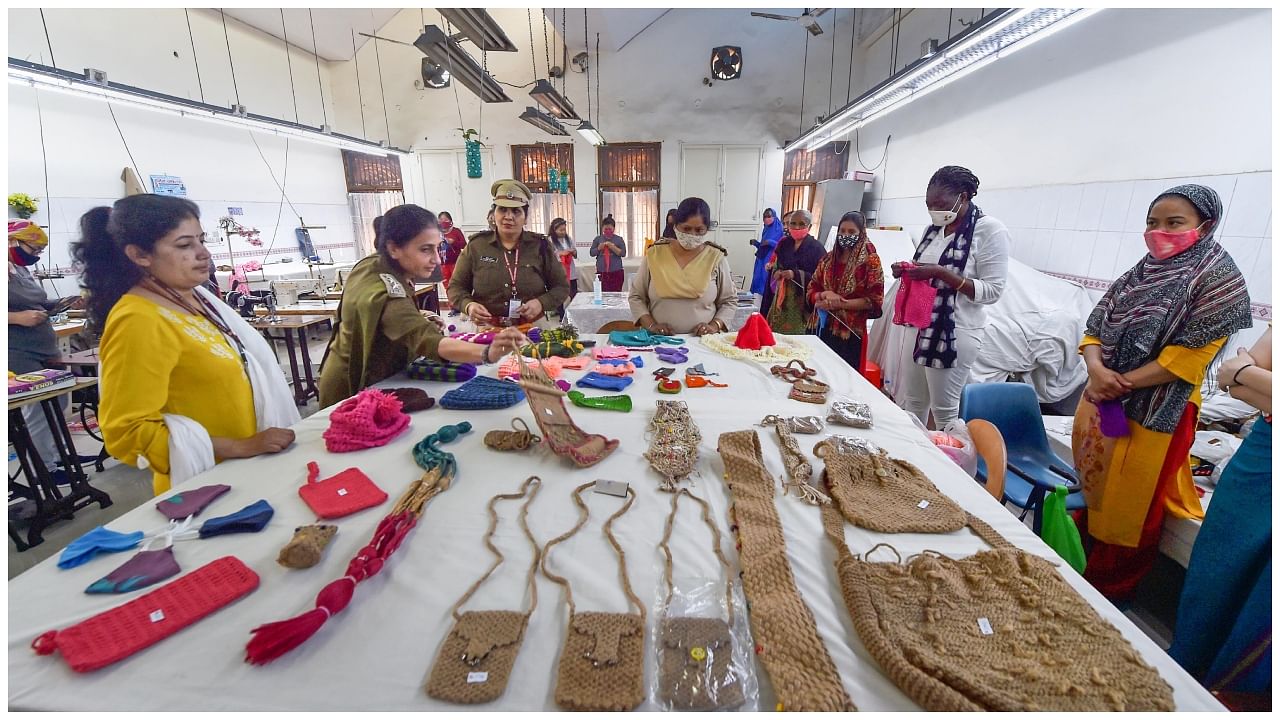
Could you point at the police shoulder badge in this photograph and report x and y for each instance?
(394, 288)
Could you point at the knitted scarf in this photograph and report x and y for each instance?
(936, 344)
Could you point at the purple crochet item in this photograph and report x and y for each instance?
(1112, 420)
(674, 356)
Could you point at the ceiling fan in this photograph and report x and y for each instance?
(809, 18)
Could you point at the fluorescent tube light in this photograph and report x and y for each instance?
(43, 77)
(997, 36)
(479, 27)
(550, 99)
(449, 55)
(542, 121)
(590, 134)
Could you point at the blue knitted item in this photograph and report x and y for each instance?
(637, 361)
(483, 393)
(641, 338)
(603, 382)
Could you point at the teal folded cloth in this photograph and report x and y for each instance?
(424, 369)
(641, 338)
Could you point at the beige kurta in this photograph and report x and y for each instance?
(717, 301)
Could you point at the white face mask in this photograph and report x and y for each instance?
(690, 241)
(943, 218)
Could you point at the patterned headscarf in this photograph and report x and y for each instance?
(28, 232)
(1190, 299)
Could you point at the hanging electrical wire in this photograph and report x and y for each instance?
(831, 73)
(853, 44)
(226, 37)
(288, 56)
(315, 49)
(586, 44)
(52, 61)
(191, 36)
(533, 56)
(283, 197)
(355, 60)
(44, 159)
(564, 55)
(804, 75)
(598, 73)
(457, 100)
(546, 44)
(386, 119)
(132, 162)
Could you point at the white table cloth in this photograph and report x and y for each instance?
(377, 653)
(588, 317)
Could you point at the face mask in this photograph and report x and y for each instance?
(608, 232)
(190, 502)
(18, 256)
(690, 241)
(1164, 244)
(844, 242)
(943, 218)
(445, 224)
(797, 233)
(768, 221)
(148, 567)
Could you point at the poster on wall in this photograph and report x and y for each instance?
(168, 185)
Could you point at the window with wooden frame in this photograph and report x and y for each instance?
(532, 165)
(372, 173)
(630, 175)
(804, 169)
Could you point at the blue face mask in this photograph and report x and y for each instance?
(98, 540)
(251, 519)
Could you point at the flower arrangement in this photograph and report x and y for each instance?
(23, 204)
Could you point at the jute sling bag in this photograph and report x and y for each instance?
(787, 641)
(602, 663)
(1001, 630)
(476, 658)
(696, 653)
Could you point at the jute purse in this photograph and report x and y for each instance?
(475, 661)
(602, 663)
(695, 654)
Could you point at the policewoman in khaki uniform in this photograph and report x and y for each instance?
(508, 276)
(379, 330)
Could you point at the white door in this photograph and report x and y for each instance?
(740, 202)
(440, 181)
(476, 198)
(742, 254)
(700, 169)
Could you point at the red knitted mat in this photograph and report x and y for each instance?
(347, 492)
(120, 632)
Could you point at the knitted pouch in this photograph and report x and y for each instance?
(602, 663)
(482, 393)
(913, 305)
(413, 399)
(884, 494)
(475, 661)
(347, 492)
(604, 382)
(424, 369)
(120, 632)
(370, 419)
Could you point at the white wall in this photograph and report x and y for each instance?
(220, 165)
(1074, 136)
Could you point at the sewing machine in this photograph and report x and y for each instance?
(244, 303)
(287, 292)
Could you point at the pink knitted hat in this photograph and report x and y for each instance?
(370, 419)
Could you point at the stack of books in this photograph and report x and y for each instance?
(40, 381)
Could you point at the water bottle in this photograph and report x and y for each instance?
(597, 293)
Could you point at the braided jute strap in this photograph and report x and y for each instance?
(799, 470)
(715, 547)
(804, 676)
(528, 489)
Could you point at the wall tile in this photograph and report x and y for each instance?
(1260, 285)
(1144, 191)
(1023, 208)
(1244, 251)
(1250, 207)
(1103, 263)
(1068, 207)
(1040, 249)
(1224, 184)
(1091, 203)
(1072, 251)
(1131, 249)
(1049, 198)
(1115, 209)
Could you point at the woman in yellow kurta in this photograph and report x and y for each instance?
(184, 382)
(1147, 346)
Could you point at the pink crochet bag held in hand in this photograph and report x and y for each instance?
(370, 419)
(913, 304)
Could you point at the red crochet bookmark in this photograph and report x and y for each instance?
(140, 623)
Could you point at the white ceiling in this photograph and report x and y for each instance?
(333, 26)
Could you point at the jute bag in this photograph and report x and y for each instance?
(602, 663)
(475, 660)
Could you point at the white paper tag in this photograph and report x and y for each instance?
(611, 487)
(512, 305)
(923, 504)
(477, 677)
(157, 616)
(984, 625)
(342, 491)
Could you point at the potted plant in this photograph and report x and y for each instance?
(475, 168)
(22, 205)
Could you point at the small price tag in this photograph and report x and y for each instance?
(984, 626)
(477, 677)
(611, 487)
(342, 492)
(923, 504)
(157, 616)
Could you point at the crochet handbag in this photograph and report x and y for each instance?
(695, 654)
(913, 305)
(347, 492)
(370, 419)
(602, 663)
(475, 660)
(116, 634)
(482, 393)
(563, 436)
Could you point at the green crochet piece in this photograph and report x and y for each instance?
(641, 338)
(545, 349)
(621, 403)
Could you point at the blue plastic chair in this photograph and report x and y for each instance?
(1033, 467)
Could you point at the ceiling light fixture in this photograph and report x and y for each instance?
(448, 54)
(84, 85)
(542, 121)
(590, 134)
(550, 99)
(479, 27)
(989, 39)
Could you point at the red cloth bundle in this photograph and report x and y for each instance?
(142, 622)
(347, 492)
(755, 334)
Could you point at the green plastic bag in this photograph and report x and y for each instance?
(1059, 532)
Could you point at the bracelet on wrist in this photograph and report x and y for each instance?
(1235, 379)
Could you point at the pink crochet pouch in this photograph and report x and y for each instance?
(370, 419)
(914, 303)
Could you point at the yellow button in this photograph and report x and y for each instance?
(698, 654)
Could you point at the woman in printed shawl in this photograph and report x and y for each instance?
(847, 288)
(794, 260)
(1147, 346)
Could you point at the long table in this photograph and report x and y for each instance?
(377, 653)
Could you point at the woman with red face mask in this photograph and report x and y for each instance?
(452, 241)
(608, 249)
(1147, 346)
(795, 258)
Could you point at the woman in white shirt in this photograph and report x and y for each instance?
(968, 265)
